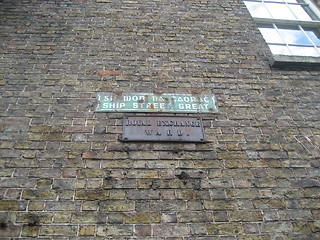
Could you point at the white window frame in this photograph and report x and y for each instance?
(280, 60)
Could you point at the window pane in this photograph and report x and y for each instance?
(271, 35)
(313, 37)
(257, 10)
(300, 13)
(294, 36)
(280, 11)
(280, 50)
(304, 51)
(287, 38)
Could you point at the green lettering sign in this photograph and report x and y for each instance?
(150, 102)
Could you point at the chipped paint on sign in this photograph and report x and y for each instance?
(150, 102)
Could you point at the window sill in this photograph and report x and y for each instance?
(294, 61)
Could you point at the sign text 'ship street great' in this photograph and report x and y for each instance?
(149, 102)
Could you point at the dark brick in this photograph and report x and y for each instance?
(304, 183)
(108, 72)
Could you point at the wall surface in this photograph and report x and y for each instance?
(65, 175)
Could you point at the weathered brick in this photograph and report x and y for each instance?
(309, 203)
(143, 230)
(78, 129)
(62, 217)
(92, 173)
(36, 206)
(62, 206)
(30, 145)
(216, 183)
(29, 154)
(69, 183)
(38, 194)
(225, 229)
(45, 173)
(76, 147)
(18, 183)
(269, 204)
(144, 155)
(117, 206)
(245, 216)
(142, 218)
(193, 194)
(84, 218)
(144, 194)
(232, 155)
(92, 194)
(35, 218)
(87, 230)
(143, 174)
(274, 227)
(13, 205)
(305, 183)
(30, 231)
(114, 230)
(116, 183)
(194, 217)
(58, 230)
(169, 218)
(167, 205)
(220, 205)
(9, 229)
(273, 155)
(295, 214)
(12, 194)
(172, 230)
(243, 193)
(237, 173)
(108, 73)
(55, 137)
(93, 155)
(6, 144)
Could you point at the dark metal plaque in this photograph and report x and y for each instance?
(162, 128)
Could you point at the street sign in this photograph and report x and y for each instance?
(150, 102)
(163, 128)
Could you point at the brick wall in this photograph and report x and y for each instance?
(64, 173)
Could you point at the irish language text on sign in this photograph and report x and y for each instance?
(163, 128)
(149, 102)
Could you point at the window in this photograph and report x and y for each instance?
(291, 28)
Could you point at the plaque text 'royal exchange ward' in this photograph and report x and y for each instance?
(161, 128)
(149, 102)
